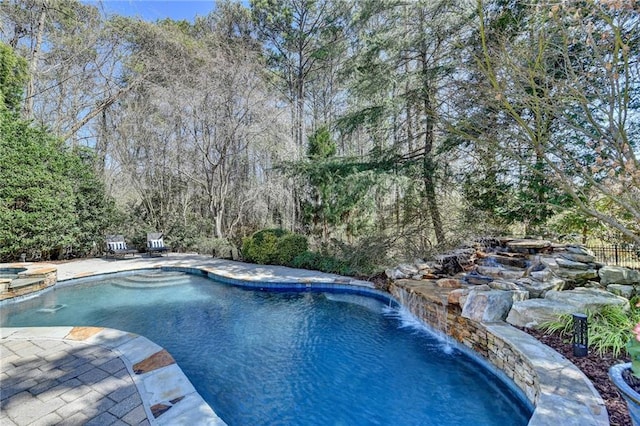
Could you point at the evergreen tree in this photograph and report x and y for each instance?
(49, 196)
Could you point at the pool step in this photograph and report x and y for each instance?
(9, 276)
(146, 277)
(24, 282)
(152, 280)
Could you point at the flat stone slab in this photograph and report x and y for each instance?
(138, 350)
(189, 411)
(578, 275)
(618, 275)
(24, 282)
(497, 272)
(626, 291)
(534, 312)
(40, 270)
(538, 288)
(427, 289)
(528, 244)
(586, 299)
(571, 264)
(578, 257)
(158, 360)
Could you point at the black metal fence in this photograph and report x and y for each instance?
(626, 255)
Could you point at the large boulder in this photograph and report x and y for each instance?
(571, 264)
(577, 275)
(519, 295)
(540, 288)
(448, 283)
(533, 312)
(499, 272)
(626, 291)
(528, 245)
(577, 254)
(457, 296)
(549, 262)
(618, 275)
(587, 299)
(395, 274)
(404, 271)
(489, 271)
(487, 306)
(544, 274)
(408, 269)
(578, 257)
(503, 285)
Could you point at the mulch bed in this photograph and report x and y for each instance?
(596, 368)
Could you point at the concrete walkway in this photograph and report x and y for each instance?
(219, 267)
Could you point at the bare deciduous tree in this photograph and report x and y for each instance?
(565, 83)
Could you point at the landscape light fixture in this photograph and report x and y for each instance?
(580, 335)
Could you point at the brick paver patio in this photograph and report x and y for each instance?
(46, 382)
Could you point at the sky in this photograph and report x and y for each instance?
(152, 10)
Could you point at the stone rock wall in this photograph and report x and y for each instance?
(523, 281)
(448, 319)
(34, 278)
(556, 388)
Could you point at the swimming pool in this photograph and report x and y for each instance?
(11, 272)
(299, 358)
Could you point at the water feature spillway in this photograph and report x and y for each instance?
(288, 357)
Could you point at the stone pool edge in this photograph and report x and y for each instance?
(559, 391)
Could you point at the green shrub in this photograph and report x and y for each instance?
(609, 329)
(289, 246)
(366, 257)
(307, 260)
(321, 262)
(260, 247)
(216, 247)
(273, 246)
(50, 198)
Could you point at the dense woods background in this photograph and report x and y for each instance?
(379, 129)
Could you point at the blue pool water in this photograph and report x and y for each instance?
(289, 358)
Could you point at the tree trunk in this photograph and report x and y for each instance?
(430, 197)
(428, 166)
(300, 110)
(218, 221)
(27, 110)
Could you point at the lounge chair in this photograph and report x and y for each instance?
(155, 244)
(117, 247)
